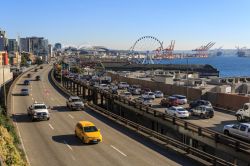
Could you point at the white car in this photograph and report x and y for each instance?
(148, 95)
(75, 103)
(158, 94)
(148, 102)
(104, 86)
(127, 95)
(179, 112)
(181, 99)
(123, 85)
(241, 130)
(38, 111)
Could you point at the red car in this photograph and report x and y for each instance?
(169, 102)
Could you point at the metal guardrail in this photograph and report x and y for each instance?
(168, 142)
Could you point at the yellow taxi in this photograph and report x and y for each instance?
(87, 132)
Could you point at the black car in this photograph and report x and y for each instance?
(38, 78)
(26, 82)
(197, 103)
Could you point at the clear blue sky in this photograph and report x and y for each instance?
(118, 23)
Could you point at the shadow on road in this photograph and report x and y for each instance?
(70, 139)
(60, 109)
(21, 118)
(17, 94)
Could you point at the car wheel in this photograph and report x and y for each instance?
(48, 118)
(202, 116)
(239, 118)
(33, 119)
(226, 132)
(83, 140)
(75, 134)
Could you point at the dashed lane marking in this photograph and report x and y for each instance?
(71, 116)
(51, 126)
(118, 150)
(67, 145)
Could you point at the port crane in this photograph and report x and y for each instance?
(202, 51)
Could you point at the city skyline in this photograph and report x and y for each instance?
(118, 25)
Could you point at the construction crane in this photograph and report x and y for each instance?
(168, 52)
(202, 51)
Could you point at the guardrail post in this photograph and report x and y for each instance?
(77, 89)
(83, 92)
(199, 131)
(74, 87)
(173, 120)
(101, 99)
(214, 161)
(185, 125)
(216, 137)
(236, 145)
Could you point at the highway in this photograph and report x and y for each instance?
(53, 142)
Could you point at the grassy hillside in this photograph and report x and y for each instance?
(10, 154)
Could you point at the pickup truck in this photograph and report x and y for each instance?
(243, 114)
(38, 111)
(74, 103)
(241, 130)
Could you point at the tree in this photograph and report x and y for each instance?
(38, 61)
(23, 61)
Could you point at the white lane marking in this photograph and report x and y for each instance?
(51, 126)
(67, 145)
(31, 94)
(32, 98)
(71, 116)
(73, 158)
(19, 134)
(118, 150)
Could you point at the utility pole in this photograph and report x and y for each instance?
(187, 78)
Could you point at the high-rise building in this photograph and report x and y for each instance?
(12, 45)
(24, 45)
(3, 41)
(58, 46)
(36, 45)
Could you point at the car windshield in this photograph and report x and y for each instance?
(76, 100)
(209, 109)
(40, 107)
(90, 129)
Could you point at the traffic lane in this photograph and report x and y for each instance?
(64, 124)
(115, 139)
(38, 148)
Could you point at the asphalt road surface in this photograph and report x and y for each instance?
(52, 143)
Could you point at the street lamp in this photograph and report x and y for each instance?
(187, 78)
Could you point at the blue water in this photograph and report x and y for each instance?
(227, 65)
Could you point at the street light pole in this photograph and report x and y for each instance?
(4, 89)
(187, 78)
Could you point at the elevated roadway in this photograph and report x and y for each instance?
(53, 142)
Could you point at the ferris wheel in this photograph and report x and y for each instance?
(145, 49)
